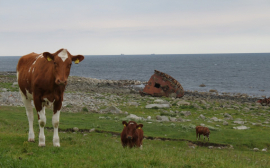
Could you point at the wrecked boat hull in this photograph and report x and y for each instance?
(161, 84)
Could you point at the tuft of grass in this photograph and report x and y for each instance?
(84, 109)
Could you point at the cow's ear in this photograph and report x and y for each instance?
(77, 59)
(139, 126)
(124, 123)
(48, 56)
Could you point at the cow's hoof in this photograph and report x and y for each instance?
(56, 145)
(31, 140)
(41, 145)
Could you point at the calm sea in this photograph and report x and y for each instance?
(235, 73)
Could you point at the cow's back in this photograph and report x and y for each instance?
(26, 62)
(23, 71)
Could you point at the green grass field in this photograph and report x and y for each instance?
(84, 149)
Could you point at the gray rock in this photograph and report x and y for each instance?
(157, 106)
(214, 119)
(92, 130)
(264, 150)
(225, 123)
(75, 129)
(256, 149)
(185, 113)
(210, 147)
(112, 109)
(257, 124)
(160, 101)
(173, 119)
(158, 117)
(239, 122)
(163, 118)
(149, 117)
(203, 102)
(241, 127)
(133, 116)
(183, 102)
(202, 117)
(180, 120)
(228, 116)
(133, 103)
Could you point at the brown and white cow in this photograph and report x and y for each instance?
(132, 134)
(43, 78)
(202, 130)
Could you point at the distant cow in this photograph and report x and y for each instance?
(202, 130)
(132, 134)
(43, 79)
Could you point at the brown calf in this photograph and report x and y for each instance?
(202, 130)
(43, 78)
(132, 134)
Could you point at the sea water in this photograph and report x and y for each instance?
(234, 73)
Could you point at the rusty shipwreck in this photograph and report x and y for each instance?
(160, 84)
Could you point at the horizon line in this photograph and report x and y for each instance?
(151, 54)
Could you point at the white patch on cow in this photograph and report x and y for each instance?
(33, 70)
(42, 123)
(34, 63)
(55, 123)
(30, 116)
(29, 95)
(141, 147)
(37, 58)
(47, 103)
(63, 55)
(131, 123)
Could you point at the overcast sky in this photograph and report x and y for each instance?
(109, 27)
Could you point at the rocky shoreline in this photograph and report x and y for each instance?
(81, 88)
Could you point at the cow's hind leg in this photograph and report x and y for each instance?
(30, 116)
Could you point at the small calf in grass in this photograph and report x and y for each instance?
(132, 134)
(202, 130)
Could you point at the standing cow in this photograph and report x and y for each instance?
(43, 78)
(132, 134)
(202, 130)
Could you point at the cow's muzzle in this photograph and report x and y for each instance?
(61, 82)
(129, 137)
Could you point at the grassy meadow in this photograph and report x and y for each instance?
(85, 149)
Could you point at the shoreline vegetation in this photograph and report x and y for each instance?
(91, 121)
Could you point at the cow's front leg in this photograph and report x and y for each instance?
(42, 123)
(41, 118)
(55, 123)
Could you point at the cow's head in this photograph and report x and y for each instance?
(62, 61)
(131, 128)
(207, 133)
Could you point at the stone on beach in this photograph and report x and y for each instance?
(157, 106)
(111, 109)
